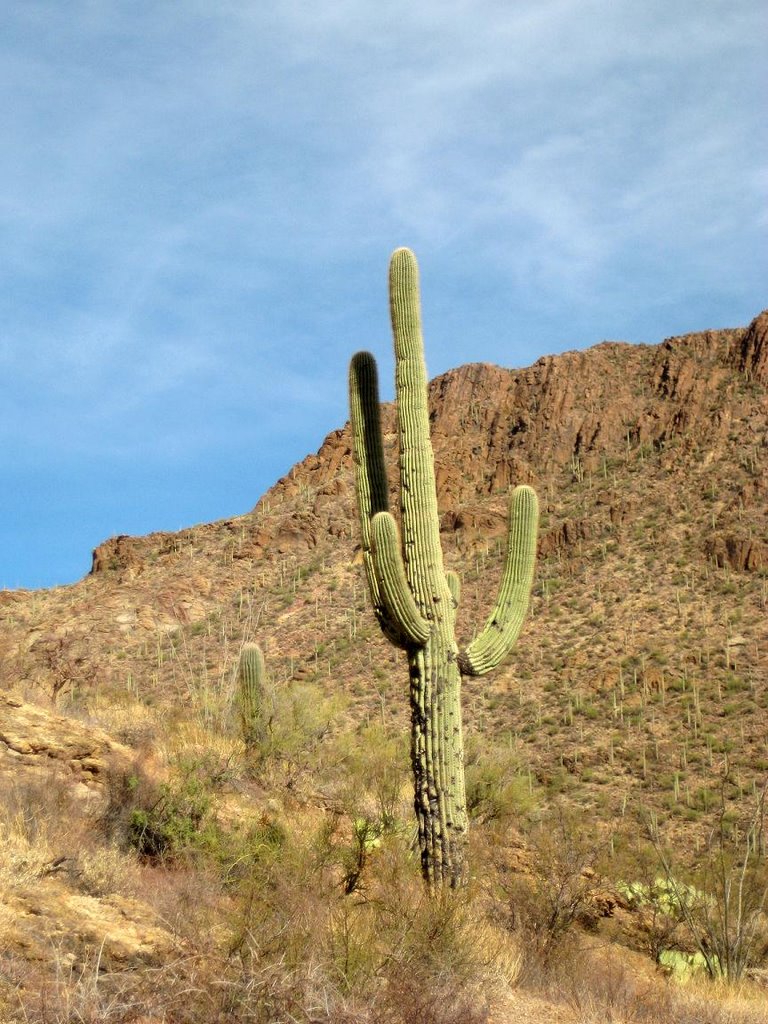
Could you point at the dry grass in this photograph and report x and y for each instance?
(40, 823)
(280, 943)
(25, 848)
(606, 984)
(263, 931)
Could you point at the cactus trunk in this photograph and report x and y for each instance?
(250, 696)
(437, 757)
(413, 596)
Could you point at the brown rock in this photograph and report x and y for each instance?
(752, 350)
(36, 745)
(745, 554)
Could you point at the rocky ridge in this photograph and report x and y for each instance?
(641, 675)
(616, 421)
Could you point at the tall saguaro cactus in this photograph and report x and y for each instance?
(414, 597)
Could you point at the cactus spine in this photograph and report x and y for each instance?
(250, 695)
(414, 598)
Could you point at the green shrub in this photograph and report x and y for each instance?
(497, 786)
(179, 822)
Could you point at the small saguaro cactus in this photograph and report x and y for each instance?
(414, 598)
(250, 695)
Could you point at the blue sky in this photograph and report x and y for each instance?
(198, 201)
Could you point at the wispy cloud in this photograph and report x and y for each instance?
(197, 202)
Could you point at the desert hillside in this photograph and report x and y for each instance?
(638, 690)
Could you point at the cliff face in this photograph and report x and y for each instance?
(493, 427)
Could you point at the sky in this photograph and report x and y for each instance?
(198, 200)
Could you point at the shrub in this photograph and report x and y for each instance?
(179, 822)
(564, 883)
(496, 786)
(722, 896)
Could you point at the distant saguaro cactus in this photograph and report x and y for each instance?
(413, 596)
(250, 695)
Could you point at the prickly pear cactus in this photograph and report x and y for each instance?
(414, 598)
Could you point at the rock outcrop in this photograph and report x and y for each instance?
(41, 748)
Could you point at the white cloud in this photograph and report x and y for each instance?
(197, 200)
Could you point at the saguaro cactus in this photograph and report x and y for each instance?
(250, 695)
(413, 596)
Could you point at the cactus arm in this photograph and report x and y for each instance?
(454, 585)
(397, 599)
(505, 621)
(370, 469)
(371, 485)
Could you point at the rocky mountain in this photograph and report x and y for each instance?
(641, 677)
(651, 464)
